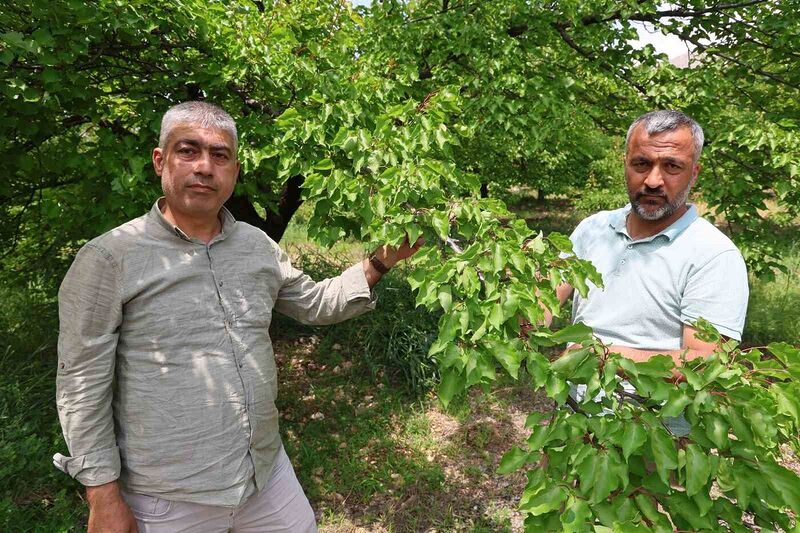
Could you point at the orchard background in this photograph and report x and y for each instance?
(490, 128)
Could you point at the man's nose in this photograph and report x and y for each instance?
(203, 164)
(655, 178)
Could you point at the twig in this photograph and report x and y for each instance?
(452, 243)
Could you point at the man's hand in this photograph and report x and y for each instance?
(108, 512)
(389, 256)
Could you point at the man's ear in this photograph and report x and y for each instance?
(696, 171)
(158, 160)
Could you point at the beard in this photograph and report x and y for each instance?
(664, 211)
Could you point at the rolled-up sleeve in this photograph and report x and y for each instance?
(325, 302)
(90, 312)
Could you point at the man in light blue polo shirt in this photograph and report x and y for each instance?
(663, 266)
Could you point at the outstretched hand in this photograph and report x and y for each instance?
(390, 256)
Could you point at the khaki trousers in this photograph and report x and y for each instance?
(281, 507)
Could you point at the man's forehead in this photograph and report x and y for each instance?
(677, 140)
(198, 134)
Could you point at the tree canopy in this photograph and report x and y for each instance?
(325, 94)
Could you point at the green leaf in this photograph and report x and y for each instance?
(577, 333)
(324, 164)
(603, 477)
(533, 419)
(740, 426)
(538, 368)
(658, 366)
(633, 438)
(389, 173)
(744, 484)
(692, 378)
(784, 482)
(545, 501)
(786, 353)
(576, 515)
(561, 242)
(717, 430)
(698, 469)
(512, 460)
(557, 389)
(451, 357)
(570, 361)
(509, 355)
(496, 316)
(441, 224)
(452, 383)
(664, 453)
(498, 258)
(648, 508)
(445, 297)
(678, 400)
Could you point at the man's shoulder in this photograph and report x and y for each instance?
(255, 237)
(708, 240)
(601, 222)
(115, 242)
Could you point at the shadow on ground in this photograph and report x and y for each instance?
(372, 458)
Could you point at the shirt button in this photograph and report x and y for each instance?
(241, 365)
(220, 284)
(622, 262)
(630, 247)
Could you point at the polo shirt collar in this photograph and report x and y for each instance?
(618, 222)
(228, 223)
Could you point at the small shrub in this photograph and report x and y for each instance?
(394, 338)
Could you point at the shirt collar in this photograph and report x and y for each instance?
(619, 217)
(228, 223)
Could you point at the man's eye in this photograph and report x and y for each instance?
(185, 150)
(220, 156)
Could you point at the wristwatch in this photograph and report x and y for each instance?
(377, 264)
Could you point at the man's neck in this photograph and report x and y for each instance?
(204, 229)
(640, 228)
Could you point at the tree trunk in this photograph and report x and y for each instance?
(275, 224)
(484, 190)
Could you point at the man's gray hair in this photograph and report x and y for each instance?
(200, 114)
(668, 120)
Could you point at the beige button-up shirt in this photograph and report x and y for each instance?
(166, 374)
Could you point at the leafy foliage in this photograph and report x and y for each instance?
(611, 462)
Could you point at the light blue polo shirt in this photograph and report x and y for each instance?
(654, 286)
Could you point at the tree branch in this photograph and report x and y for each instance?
(252, 103)
(567, 38)
(658, 15)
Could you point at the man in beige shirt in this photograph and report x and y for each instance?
(166, 381)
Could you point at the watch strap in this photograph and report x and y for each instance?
(377, 264)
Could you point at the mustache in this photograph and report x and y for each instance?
(650, 192)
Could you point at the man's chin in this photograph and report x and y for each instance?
(651, 212)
